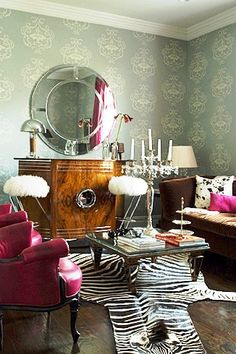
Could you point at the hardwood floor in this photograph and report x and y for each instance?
(215, 321)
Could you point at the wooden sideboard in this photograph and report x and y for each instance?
(66, 178)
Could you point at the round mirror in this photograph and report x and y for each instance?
(77, 107)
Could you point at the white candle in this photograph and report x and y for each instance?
(169, 156)
(149, 139)
(143, 150)
(132, 150)
(159, 150)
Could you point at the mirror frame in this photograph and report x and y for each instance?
(95, 128)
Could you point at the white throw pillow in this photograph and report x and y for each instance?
(205, 186)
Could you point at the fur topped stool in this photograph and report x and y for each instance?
(26, 186)
(130, 186)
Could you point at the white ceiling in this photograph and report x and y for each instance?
(181, 19)
(169, 12)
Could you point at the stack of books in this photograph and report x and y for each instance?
(141, 243)
(180, 240)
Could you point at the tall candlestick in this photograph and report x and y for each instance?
(159, 150)
(169, 156)
(151, 167)
(143, 150)
(132, 150)
(149, 139)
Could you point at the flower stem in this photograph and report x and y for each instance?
(118, 131)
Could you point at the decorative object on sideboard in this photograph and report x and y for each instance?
(184, 157)
(116, 148)
(122, 117)
(150, 168)
(33, 127)
(121, 150)
(106, 149)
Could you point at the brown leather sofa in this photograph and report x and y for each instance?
(219, 230)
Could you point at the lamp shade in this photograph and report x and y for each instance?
(183, 157)
(33, 126)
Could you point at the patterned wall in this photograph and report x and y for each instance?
(147, 74)
(211, 124)
(182, 90)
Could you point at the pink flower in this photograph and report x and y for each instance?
(123, 117)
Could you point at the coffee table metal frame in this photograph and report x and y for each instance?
(99, 241)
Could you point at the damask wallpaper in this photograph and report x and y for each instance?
(211, 125)
(182, 90)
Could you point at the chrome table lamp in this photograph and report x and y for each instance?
(33, 127)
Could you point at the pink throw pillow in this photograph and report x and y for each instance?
(222, 203)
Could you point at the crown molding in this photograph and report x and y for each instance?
(214, 23)
(97, 17)
(102, 18)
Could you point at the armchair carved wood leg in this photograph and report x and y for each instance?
(74, 308)
(1, 331)
(48, 319)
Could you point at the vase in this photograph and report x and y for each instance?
(106, 150)
(114, 151)
(121, 149)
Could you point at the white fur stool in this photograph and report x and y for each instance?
(131, 186)
(26, 186)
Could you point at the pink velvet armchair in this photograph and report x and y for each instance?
(37, 278)
(5, 208)
(8, 218)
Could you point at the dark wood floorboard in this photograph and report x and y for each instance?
(215, 321)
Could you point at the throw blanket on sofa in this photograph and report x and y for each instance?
(188, 210)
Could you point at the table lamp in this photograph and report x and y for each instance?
(33, 127)
(183, 157)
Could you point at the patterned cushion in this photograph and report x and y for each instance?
(205, 186)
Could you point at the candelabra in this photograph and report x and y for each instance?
(150, 168)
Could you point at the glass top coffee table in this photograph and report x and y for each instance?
(100, 240)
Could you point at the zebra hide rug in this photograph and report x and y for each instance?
(164, 291)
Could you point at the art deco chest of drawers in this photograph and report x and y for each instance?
(79, 200)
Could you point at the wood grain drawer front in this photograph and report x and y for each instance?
(71, 181)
